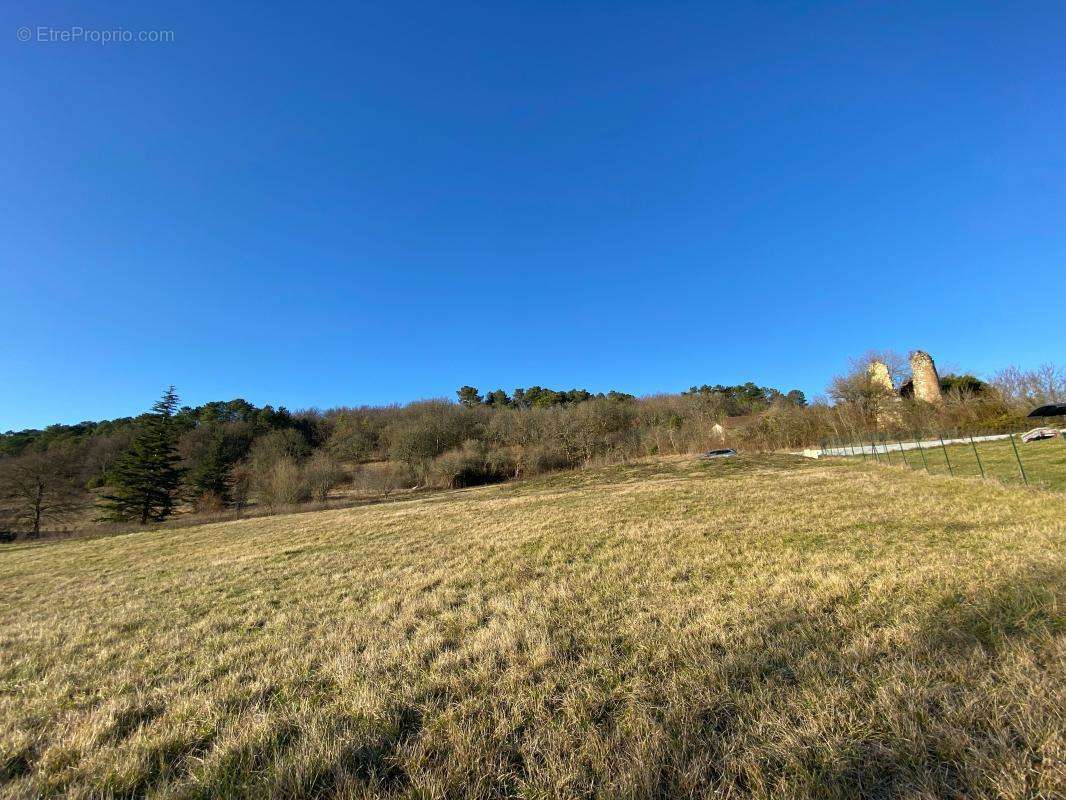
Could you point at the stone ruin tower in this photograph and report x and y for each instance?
(879, 377)
(888, 402)
(925, 379)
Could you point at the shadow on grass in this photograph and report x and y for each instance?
(954, 700)
(374, 764)
(799, 711)
(946, 714)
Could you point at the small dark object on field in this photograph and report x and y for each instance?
(1036, 434)
(1050, 410)
(725, 452)
(8, 536)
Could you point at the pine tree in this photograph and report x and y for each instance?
(145, 480)
(211, 476)
(468, 396)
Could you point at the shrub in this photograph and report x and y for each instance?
(276, 445)
(502, 462)
(428, 429)
(383, 478)
(543, 457)
(356, 435)
(241, 484)
(274, 466)
(599, 428)
(283, 484)
(469, 465)
(208, 502)
(321, 473)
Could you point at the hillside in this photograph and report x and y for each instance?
(758, 628)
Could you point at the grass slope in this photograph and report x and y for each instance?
(747, 628)
(1044, 461)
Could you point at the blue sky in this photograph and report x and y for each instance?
(370, 203)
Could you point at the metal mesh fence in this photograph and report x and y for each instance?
(1006, 457)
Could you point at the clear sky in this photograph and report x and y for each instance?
(377, 202)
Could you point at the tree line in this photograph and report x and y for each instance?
(144, 469)
(225, 456)
(533, 397)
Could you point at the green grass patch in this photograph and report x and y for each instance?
(1044, 461)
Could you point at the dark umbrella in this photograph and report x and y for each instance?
(1050, 410)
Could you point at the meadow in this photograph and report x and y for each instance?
(1044, 461)
(761, 627)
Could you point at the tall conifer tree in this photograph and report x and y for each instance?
(145, 480)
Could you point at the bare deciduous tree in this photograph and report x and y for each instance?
(321, 473)
(1045, 384)
(41, 487)
(897, 363)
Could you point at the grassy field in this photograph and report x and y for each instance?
(766, 628)
(1044, 461)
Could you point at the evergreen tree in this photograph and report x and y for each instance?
(212, 473)
(498, 399)
(468, 396)
(146, 478)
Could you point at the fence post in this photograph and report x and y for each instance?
(925, 462)
(902, 454)
(1019, 458)
(980, 466)
(946, 459)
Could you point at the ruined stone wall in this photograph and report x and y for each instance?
(880, 377)
(925, 379)
(888, 413)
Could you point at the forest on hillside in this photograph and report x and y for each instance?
(228, 456)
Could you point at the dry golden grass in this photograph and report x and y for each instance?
(745, 628)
